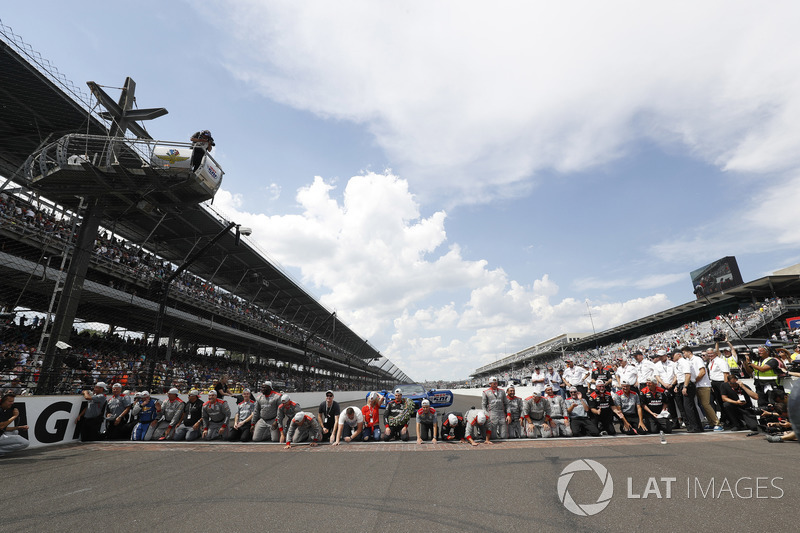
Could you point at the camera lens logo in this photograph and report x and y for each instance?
(587, 509)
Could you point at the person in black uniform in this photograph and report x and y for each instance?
(203, 142)
(453, 427)
(329, 412)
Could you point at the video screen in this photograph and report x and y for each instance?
(715, 277)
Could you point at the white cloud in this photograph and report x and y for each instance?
(273, 191)
(471, 101)
(395, 279)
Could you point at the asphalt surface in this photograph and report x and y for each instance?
(719, 481)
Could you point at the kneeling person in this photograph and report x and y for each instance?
(350, 425)
(535, 413)
(426, 423)
(454, 427)
(303, 427)
(216, 415)
(478, 426)
(578, 411)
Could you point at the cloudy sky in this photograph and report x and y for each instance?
(461, 180)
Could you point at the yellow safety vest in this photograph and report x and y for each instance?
(733, 362)
(765, 375)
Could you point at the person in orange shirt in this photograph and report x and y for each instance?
(372, 417)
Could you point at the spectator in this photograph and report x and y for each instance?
(578, 411)
(575, 376)
(189, 429)
(427, 428)
(90, 418)
(538, 380)
(372, 417)
(350, 425)
(10, 439)
(243, 421)
(328, 415)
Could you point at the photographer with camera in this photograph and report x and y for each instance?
(90, 418)
(736, 405)
(766, 375)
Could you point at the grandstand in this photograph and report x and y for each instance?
(757, 311)
(231, 300)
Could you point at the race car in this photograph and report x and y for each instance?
(417, 393)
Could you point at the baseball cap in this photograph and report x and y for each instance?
(398, 391)
(144, 393)
(267, 384)
(328, 392)
(173, 390)
(101, 384)
(212, 393)
(194, 392)
(481, 418)
(116, 386)
(452, 419)
(625, 382)
(573, 389)
(285, 398)
(299, 417)
(426, 403)
(492, 379)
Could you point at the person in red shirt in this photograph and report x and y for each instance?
(372, 417)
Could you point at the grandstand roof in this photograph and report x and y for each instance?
(39, 110)
(35, 110)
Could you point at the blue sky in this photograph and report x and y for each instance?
(457, 179)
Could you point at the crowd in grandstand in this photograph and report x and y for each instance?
(112, 358)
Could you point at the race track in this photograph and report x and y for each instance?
(716, 481)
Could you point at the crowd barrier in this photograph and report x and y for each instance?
(51, 419)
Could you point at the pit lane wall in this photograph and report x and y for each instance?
(51, 419)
